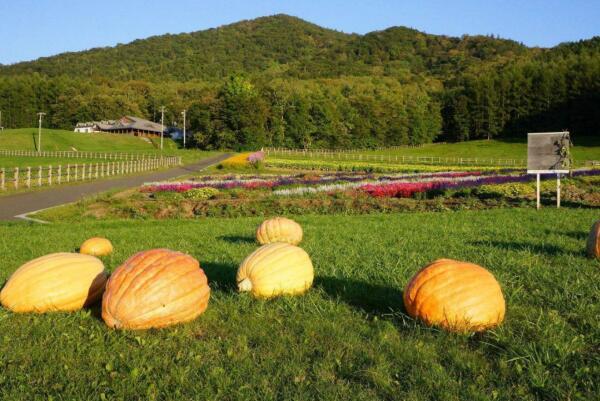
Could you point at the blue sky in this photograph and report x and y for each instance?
(34, 28)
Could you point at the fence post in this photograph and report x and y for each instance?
(68, 172)
(50, 175)
(40, 176)
(28, 177)
(16, 178)
(2, 178)
(59, 174)
(96, 170)
(83, 172)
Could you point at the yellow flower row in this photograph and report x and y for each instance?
(239, 160)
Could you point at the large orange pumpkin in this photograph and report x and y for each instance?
(593, 244)
(457, 296)
(55, 282)
(96, 246)
(154, 289)
(279, 229)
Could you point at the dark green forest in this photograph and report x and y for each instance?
(281, 81)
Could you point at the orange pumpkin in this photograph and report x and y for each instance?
(458, 296)
(154, 289)
(96, 246)
(593, 243)
(279, 229)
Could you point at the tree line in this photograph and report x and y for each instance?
(280, 81)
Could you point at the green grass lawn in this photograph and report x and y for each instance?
(61, 140)
(26, 161)
(348, 338)
(493, 149)
(187, 156)
(52, 139)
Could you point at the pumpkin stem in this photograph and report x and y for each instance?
(245, 285)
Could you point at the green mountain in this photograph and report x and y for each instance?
(282, 81)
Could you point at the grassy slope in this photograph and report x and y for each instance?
(52, 140)
(23, 162)
(348, 338)
(482, 149)
(26, 139)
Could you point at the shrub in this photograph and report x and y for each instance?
(201, 193)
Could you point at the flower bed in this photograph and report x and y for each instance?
(242, 160)
(256, 182)
(384, 167)
(409, 189)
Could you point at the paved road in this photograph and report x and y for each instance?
(18, 204)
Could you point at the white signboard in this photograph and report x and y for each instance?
(548, 152)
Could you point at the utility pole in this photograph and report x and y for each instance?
(1, 127)
(162, 125)
(183, 113)
(40, 115)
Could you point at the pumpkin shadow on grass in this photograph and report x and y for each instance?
(93, 302)
(95, 310)
(374, 299)
(237, 239)
(548, 250)
(221, 276)
(578, 235)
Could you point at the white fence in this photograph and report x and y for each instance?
(342, 155)
(80, 155)
(28, 177)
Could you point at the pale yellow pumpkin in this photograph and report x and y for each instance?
(457, 296)
(276, 269)
(593, 243)
(96, 246)
(279, 229)
(55, 282)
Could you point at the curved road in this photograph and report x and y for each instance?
(12, 206)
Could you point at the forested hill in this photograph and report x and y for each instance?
(282, 81)
(277, 46)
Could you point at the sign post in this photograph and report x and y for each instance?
(558, 191)
(548, 153)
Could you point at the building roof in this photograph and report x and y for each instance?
(124, 123)
(131, 122)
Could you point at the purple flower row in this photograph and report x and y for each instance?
(408, 189)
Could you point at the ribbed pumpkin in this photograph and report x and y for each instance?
(593, 243)
(276, 269)
(55, 282)
(154, 289)
(279, 229)
(457, 296)
(96, 246)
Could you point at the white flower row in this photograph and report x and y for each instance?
(339, 187)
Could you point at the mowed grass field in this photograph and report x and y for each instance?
(60, 140)
(348, 338)
(482, 149)
(34, 162)
(53, 139)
